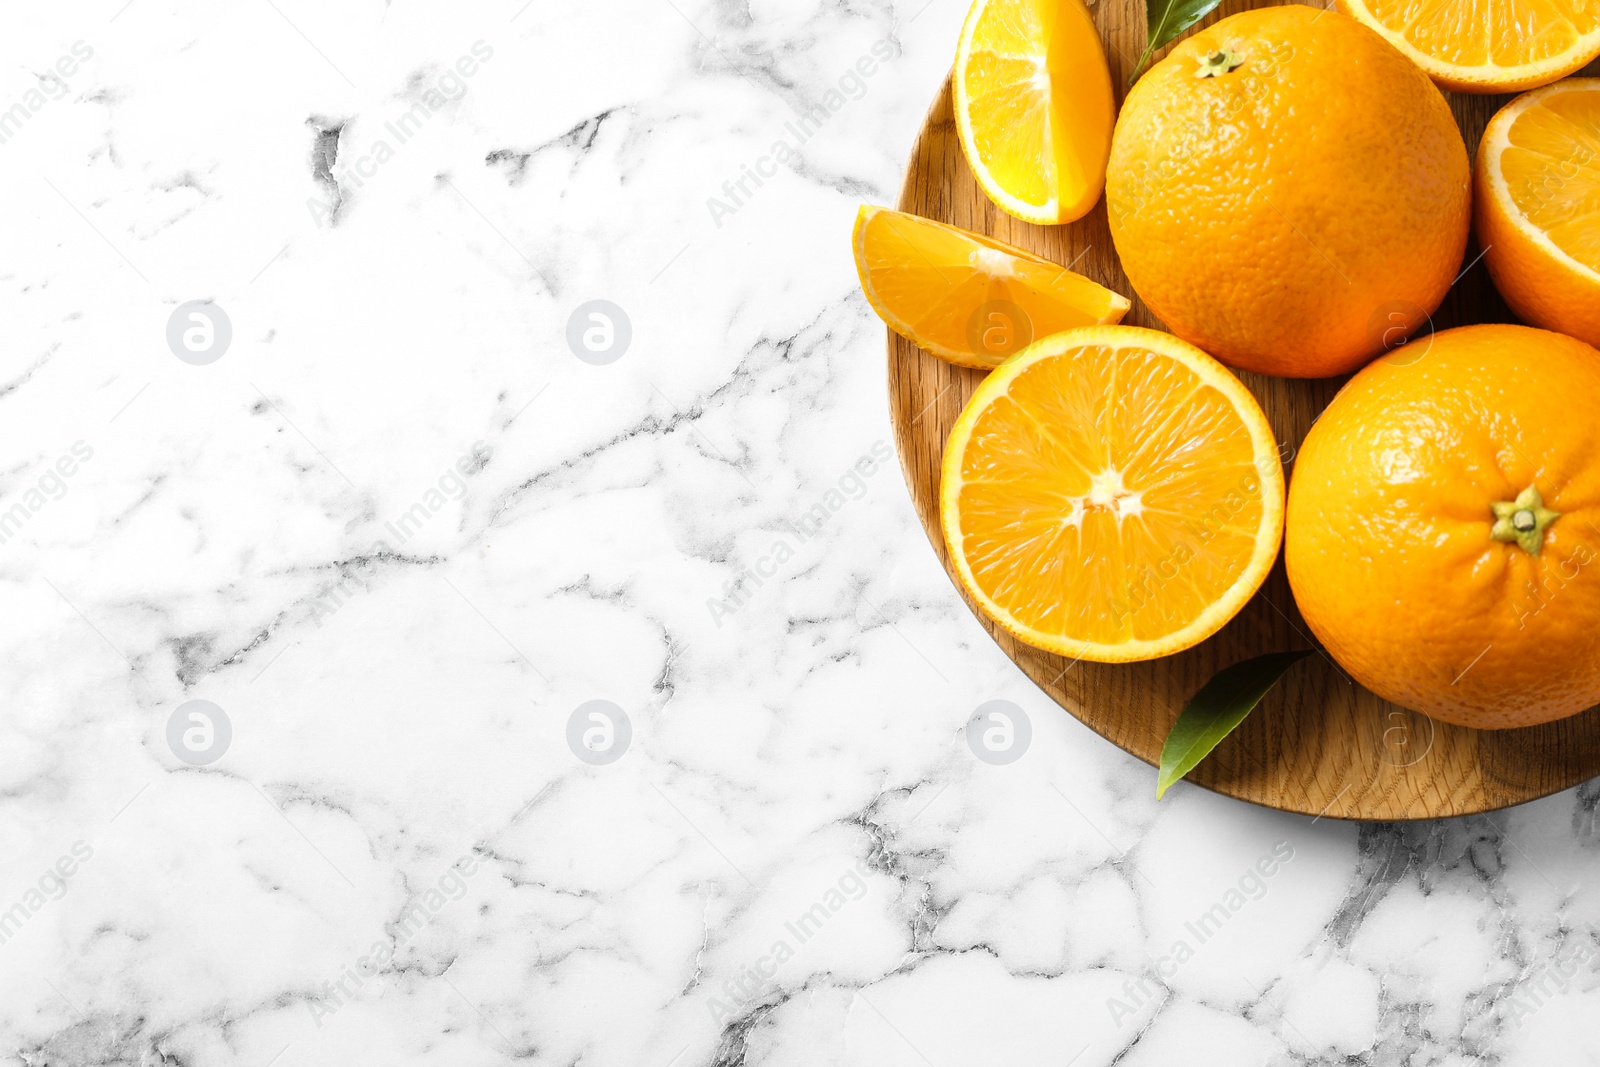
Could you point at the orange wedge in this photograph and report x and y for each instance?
(1112, 494)
(1487, 46)
(967, 298)
(1033, 106)
(1538, 206)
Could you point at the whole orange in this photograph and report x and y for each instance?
(1289, 192)
(1442, 537)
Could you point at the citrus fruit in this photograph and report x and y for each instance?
(1288, 192)
(1033, 106)
(967, 298)
(1112, 494)
(1486, 46)
(1537, 203)
(1442, 539)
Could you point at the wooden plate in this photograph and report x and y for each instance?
(1319, 743)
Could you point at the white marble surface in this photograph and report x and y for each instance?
(399, 707)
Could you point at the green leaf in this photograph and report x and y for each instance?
(1164, 20)
(1212, 713)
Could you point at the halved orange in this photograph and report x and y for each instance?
(967, 298)
(1537, 203)
(1033, 106)
(1112, 494)
(1487, 46)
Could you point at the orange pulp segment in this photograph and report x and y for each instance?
(1033, 104)
(967, 298)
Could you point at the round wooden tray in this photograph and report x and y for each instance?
(1319, 743)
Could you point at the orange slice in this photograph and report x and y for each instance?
(1538, 206)
(1487, 46)
(1033, 106)
(1112, 494)
(967, 298)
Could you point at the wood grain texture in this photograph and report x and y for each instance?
(1319, 743)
